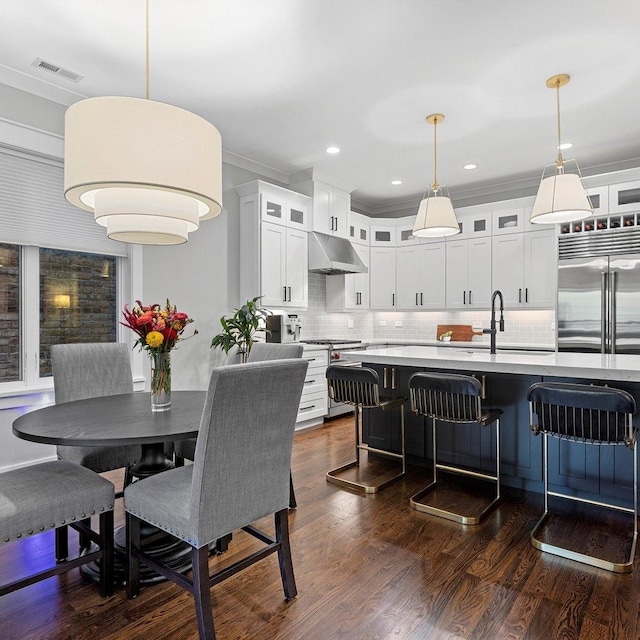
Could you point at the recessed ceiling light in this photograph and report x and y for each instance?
(565, 145)
(396, 182)
(470, 166)
(333, 150)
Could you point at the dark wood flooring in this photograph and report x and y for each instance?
(367, 567)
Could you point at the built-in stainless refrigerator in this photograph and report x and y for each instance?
(599, 293)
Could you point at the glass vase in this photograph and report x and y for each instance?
(160, 382)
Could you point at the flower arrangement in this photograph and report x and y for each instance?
(239, 329)
(445, 337)
(158, 329)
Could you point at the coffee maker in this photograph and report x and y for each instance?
(283, 328)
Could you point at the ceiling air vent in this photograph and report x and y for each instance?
(56, 70)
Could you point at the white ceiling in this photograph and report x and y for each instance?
(284, 79)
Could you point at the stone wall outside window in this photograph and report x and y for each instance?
(78, 298)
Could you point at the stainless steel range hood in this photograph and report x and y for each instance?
(333, 256)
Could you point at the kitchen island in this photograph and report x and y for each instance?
(590, 471)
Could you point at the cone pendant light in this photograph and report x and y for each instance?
(561, 196)
(436, 217)
(148, 171)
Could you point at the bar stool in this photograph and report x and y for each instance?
(454, 398)
(591, 415)
(359, 386)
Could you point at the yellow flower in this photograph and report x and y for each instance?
(154, 339)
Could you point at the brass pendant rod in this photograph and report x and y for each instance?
(559, 161)
(147, 53)
(435, 156)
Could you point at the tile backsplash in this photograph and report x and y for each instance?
(521, 327)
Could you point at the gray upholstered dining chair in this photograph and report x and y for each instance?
(54, 495)
(260, 352)
(240, 474)
(92, 370)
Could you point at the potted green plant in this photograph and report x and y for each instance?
(239, 329)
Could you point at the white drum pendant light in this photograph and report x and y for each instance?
(561, 196)
(148, 171)
(436, 217)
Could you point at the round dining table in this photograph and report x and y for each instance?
(122, 420)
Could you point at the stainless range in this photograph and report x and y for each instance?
(336, 356)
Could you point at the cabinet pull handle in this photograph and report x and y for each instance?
(484, 388)
(289, 293)
(420, 299)
(309, 381)
(310, 359)
(464, 297)
(285, 293)
(526, 294)
(519, 295)
(416, 299)
(469, 296)
(311, 406)
(393, 299)
(384, 378)
(393, 377)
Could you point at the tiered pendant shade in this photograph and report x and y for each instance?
(436, 218)
(149, 171)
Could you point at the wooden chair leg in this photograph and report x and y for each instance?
(284, 554)
(128, 478)
(106, 561)
(202, 593)
(222, 544)
(179, 460)
(84, 541)
(292, 494)
(62, 543)
(133, 543)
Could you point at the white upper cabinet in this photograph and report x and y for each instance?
(525, 268)
(383, 233)
(404, 232)
(281, 206)
(274, 245)
(468, 273)
(350, 292)
(624, 197)
(599, 200)
(508, 221)
(283, 266)
(382, 278)
(420, 274)
(331, 207)
(358, 228)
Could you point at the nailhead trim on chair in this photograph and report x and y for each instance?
(30, 532)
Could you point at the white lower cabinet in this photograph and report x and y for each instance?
(283, 266)
(420, 273)
(468, 281)
(382, 280)
(350, 292)
(314, 399)
(525, 268)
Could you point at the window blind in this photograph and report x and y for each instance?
(34, 211)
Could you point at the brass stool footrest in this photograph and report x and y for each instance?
(418, 503)
(563, 552)
(370, 485)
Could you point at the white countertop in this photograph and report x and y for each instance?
(620, 367)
